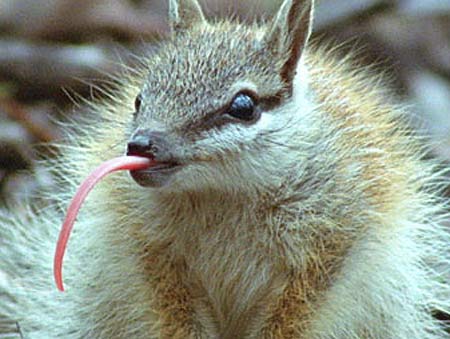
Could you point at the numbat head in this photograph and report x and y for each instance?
(217, 107)
(286, 199)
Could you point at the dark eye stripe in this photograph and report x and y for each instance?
(222, 116)
(137, 103)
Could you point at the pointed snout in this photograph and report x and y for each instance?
(159, 147)
(150, 144)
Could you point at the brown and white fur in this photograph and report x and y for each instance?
(318, 220)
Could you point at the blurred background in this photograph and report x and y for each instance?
(54, 50)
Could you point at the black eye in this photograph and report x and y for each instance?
(137, 103)
(243, 107)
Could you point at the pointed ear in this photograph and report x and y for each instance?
(183, 14)
(289, 33)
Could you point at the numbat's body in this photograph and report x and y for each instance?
(287, 201)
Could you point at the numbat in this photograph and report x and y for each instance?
(286, 199)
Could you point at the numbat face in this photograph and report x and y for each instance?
(274, 192)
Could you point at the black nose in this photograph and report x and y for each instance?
(147, 143)
(140, 145)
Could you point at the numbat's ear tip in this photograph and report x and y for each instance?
(183, 14)
(289, 32)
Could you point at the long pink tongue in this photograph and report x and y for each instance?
(113, 165)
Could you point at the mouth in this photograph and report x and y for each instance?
(157, 175)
